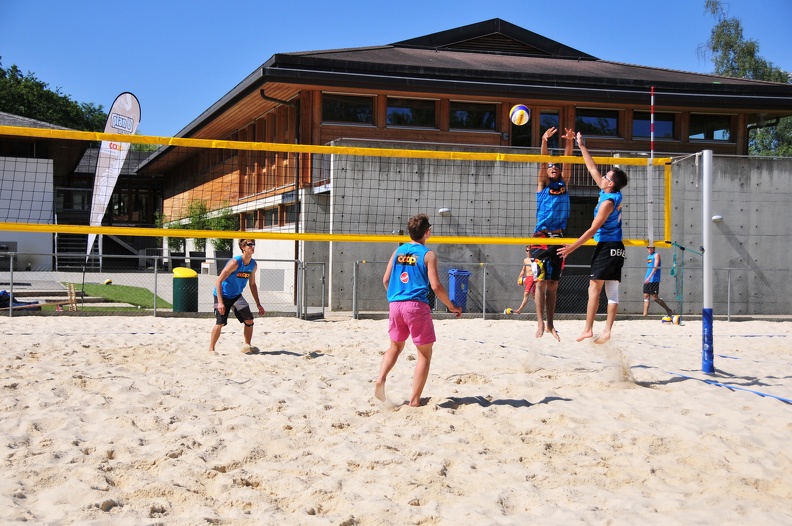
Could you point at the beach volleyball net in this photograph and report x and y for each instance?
(350, 190)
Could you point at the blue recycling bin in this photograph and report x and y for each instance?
(458, 287)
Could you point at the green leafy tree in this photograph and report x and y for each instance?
(198, 217)
(224, 221)
(735, 56)
(27, 96)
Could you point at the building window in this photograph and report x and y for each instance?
(549, 119)
(271, 217)
(663, 125)
(349, 109)
(710, 127)
(412, 112)
(290, 213)
(604, 123)
(472, 116)
(250, 220)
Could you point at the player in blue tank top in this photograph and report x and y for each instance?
(552, 212)
(411, 271)
(237, 273)
(651, 287)
(608, 258)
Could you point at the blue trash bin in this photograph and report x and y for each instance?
(458, 287)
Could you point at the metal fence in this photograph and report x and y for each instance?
(295, 288)
(491, 288)
(146, 285)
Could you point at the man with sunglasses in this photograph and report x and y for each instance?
(552, 212)
(238, 272)
(608, 258)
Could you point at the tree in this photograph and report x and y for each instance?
(224, 220)
(734, 56)
(27, 96)
(198, 216)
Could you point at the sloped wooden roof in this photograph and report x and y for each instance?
(495, 59)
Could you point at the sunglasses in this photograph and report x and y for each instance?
(250, 244)
(607, 178)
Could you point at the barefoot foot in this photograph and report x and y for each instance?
(379, 391)
(584, 335)
(602, 338)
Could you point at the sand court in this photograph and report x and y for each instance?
(113, 420)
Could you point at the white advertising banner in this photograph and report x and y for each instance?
(124, 117)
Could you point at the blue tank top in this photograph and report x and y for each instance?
(409, 279)
(611, 229)
(552, 207)
(234, 284)
(650, 265)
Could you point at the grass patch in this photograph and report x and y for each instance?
(137, 296)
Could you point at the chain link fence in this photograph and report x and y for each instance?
(147, 285)
(491, 288)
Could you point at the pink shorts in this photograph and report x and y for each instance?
(411, 318)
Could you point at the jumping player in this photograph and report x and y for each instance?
(608, 258)
(552, 212)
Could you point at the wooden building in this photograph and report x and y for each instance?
(451, 89)
(455, 87)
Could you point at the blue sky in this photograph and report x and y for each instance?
(179, 57)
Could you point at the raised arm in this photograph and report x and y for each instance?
(569, 137)
(542, 178)
(590, 164)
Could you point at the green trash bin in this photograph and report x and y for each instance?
(185, 290)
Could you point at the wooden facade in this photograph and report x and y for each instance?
(492, 63)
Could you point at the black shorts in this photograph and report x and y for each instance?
(549, 262)
(607, 261)
(652, 288)
(238, 305)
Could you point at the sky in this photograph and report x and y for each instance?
(180, 57)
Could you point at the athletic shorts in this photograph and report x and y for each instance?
(547, 263)
(652, 288)
(238, 305)
(411, 318)
(607, 261)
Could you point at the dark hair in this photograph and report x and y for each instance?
(417, 226)
(619, 178)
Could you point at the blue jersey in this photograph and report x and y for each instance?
(611, 229)
(409, 279)
(234, 284)
(552, 207)
(650, 265)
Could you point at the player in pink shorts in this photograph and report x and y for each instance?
(411, 271)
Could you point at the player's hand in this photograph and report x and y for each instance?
(221, 307)
(261, 310)
(549, 132)
(456, 310)
(569, 133)
(563, 250)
